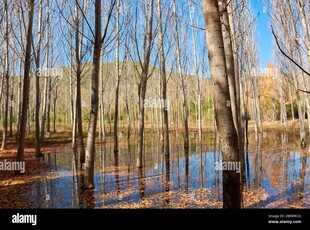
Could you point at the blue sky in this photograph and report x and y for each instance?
(265, 39)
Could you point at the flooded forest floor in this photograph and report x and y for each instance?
(278, 174)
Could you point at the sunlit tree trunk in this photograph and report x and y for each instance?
(26, 87)
(91, 136)
(78, 59)
(118, 78)
(6, 77)
(182, 78)
(198, 80)
(46, 77)
(229, 61)
(163, 81)
(224, 118)
(37, 83)
(147, 41)
(11, 103)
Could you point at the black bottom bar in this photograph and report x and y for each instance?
(154, 218)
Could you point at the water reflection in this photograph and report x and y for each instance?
(279, 172)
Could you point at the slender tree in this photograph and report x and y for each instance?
(118, 78)
(223, 113)
(37, 82)
(182, 78)
(78, 59)
(6, 76)
(91, 136)
(163, 80)
(90, 146)
(144, 75)
(26, 86)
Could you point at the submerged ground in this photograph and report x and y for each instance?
(278, 176)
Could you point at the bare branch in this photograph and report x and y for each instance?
(278, 45)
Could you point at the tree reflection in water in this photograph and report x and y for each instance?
(276, 173)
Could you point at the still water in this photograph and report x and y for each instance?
(277, 176)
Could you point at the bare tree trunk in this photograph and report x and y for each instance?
(55, 106)
(127, 106)
(6, 78)
(102, 106)
(74, 121)
(46, 78)
(91, 136)
(257, 107)
(19, 95)
(1, 89)
(183, 84)
(198, 83)
(302, 131)
(229, 61)
(224, 117)
(37, 83)
(78, 59)
(128, 119)
(12, 104)
(177, 112)
(148, 36)
(281, 88)
(110, 119)
(117, 80)
(237, 75)
(48, 120)
(72, 99)
(246, 112)
(163, 82)
(22, 128)
(29, 119)
(71, 93)
(44, 109)
(292, 108)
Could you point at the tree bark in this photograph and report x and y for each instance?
(91, 136)
(224, 117)
(22, 128)
(163, 82)
(12, 104)
(78, 59)
(198, 80)
(229, 61)
(183, 84)
(117, 80)
(147, 41)
(37, 83)
(46, 77)
(6, 77)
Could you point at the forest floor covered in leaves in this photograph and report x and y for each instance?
(14, 187)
